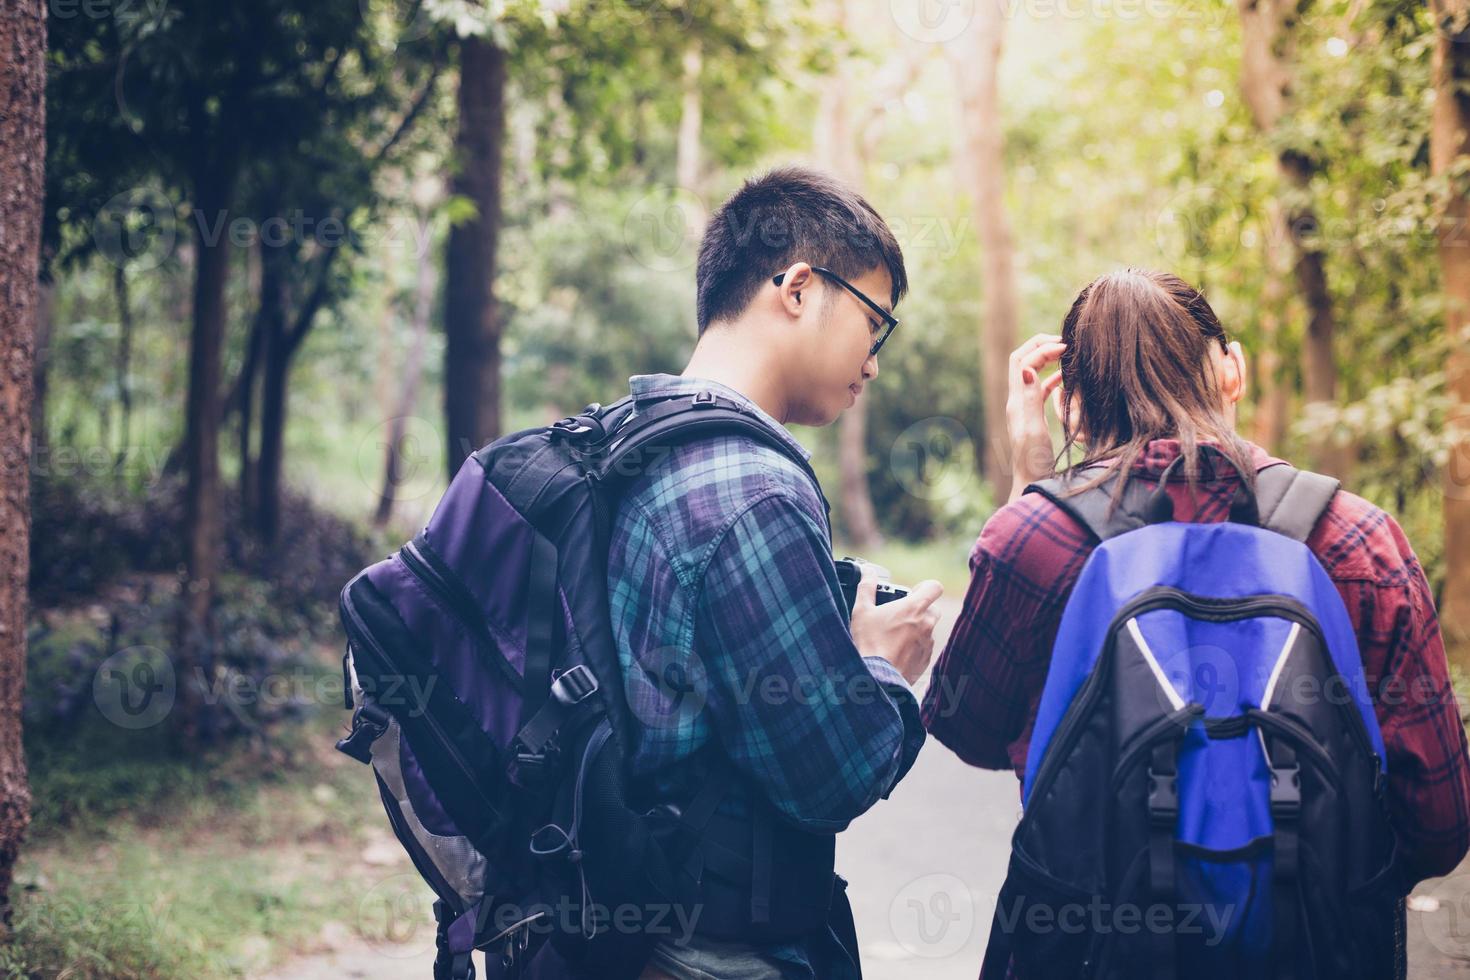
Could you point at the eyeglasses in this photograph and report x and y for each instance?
(888, 319)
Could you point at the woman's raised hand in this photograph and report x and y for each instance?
(1032, 453)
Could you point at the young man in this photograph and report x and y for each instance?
(739, 660)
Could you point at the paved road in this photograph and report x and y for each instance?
(925, 866)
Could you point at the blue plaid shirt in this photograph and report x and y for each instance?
(733, 634)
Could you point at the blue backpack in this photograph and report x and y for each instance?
(1205, 790)
(488, 700)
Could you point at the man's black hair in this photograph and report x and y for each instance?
(791, 214)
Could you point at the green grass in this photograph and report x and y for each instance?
(217, 868)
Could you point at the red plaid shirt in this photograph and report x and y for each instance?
(983, 696)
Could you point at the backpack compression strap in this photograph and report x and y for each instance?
(1289, 501)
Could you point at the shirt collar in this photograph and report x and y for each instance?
(1159, 453)
(645, 387)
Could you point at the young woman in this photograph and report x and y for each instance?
(1147, 374)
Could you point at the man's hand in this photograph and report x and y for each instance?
(1032, 453)
(901, 631)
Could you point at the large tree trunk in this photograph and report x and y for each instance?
(471, 314)
(22, 158)
(1449, 141)
(837, 150)
(202, 529)
(412, 369)
(975, 58)
(1267, 28)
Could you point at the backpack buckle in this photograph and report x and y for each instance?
(368, 722)
(704, 399)
(1163, 797)
(570, 426)
(574, 686)
(1286, 790)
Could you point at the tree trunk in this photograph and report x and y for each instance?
(1265, 82)
(202, 529)
(837, 150)
(276, 352)
(124, 365)
(1270, 388)
(412, 369)
(241, 402)
(691, 123)
(471, 314)
(22, 159)
(1449, 141)
(976, 63)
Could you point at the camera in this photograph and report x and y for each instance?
(850, 572)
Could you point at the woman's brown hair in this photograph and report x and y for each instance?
(1137, 362)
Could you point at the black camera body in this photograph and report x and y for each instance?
(850, 572)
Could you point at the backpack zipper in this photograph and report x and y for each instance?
(457, 600)
(365, 640)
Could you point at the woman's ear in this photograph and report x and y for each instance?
(1232, 378)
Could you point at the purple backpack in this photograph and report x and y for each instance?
(487, 697)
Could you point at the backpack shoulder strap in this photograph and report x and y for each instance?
(1093, 508)
(683, 419)
(1292, 501)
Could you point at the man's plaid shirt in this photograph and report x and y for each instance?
(732, 634)
(733, 637)
(987, 683)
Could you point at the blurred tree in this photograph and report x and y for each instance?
(472, 316)
(22, 161)
(1267, 74)
(1450, 151)
(838, 150)
(975, 56)
(212, 104)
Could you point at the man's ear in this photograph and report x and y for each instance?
(795, 283)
